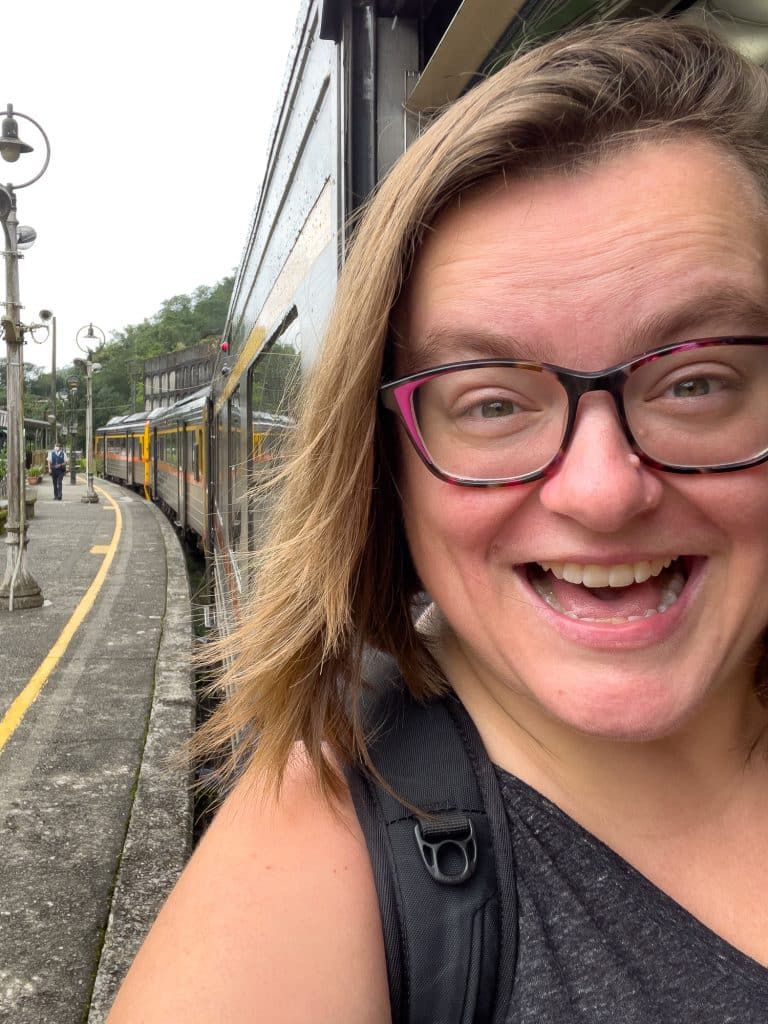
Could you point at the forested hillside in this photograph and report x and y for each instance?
(181, 322)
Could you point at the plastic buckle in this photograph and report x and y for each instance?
(440, 845)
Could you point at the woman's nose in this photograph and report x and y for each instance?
(600, 482)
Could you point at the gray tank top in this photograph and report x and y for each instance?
(600, 944)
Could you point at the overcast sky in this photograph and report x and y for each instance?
(159, 114)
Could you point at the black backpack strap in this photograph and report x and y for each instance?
(444, 875)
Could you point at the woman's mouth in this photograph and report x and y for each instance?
(616, 594)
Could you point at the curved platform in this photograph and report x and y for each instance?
(96, 695)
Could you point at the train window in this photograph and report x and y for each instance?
(195, 458)
(171, 449)
(237, 482)
(273, 383)
(274, 380)
(235, 429)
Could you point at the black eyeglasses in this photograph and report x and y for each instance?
(696, 407)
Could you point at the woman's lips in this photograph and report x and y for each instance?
(617, 632)
(639, 592)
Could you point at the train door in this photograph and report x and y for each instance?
(182, 475)
(178, 437)
(236, 477)
(137, 462)
(146, 458)
(209, 476)
(154, 455)
(222, 472)
(138, 458)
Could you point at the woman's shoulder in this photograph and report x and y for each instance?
(275, 918)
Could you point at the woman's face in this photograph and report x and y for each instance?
(655, 246)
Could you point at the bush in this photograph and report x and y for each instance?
(35, 471)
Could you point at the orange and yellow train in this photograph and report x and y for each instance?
(169, 454)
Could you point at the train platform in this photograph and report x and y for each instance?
(96, 695)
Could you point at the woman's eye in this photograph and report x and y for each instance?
(695, 387)
(496, 407)
(701, 381)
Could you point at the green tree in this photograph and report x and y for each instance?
(181, 322)
(37, 390)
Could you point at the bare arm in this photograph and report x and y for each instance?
(275, 920)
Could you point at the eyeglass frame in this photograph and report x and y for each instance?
(396, 397)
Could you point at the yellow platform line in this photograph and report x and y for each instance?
(15, 713)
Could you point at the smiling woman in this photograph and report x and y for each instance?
(601, 502)
(540, 412)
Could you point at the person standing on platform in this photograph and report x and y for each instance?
(57, 467)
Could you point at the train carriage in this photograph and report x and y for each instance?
(120, 450)
(179, 457)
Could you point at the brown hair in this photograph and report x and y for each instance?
(334, 576)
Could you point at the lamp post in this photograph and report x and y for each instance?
(73, 386)
(18, 588)
(90, 495)
(49, 323)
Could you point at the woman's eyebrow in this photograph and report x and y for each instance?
(739, 309)
(446, 344)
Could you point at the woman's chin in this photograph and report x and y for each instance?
(636, 710)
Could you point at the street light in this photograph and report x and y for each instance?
(73, 386)
(90, 495)
(49, 325)
(18, 588)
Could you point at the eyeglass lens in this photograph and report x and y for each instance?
(690, 408)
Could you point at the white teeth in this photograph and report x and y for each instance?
(642, 572)
(673, 587)
(623, 575)
(671, 592)
(573, 573)
(616, 618)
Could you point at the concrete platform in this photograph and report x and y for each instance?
(95, 820)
